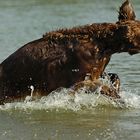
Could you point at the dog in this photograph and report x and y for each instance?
(65, 57)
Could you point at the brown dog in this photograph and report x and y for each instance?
(63, 58)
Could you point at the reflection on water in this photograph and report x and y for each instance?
(57, 117)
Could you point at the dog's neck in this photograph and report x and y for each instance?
(107, 36)
(96, 47)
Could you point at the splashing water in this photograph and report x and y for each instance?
(83, 99)
(131, 99)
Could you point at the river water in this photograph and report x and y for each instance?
(59, 116)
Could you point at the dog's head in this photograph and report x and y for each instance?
(126, 12)
(129, 27)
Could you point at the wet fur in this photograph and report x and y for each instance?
(64, 57)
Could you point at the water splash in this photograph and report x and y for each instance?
(83, 99)
(131, 99)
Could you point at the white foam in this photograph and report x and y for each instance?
(82, 99)
(131, 99)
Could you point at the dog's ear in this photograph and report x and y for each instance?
(126, 12)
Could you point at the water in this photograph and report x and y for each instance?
(60, 116)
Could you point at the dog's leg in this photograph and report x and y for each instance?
(115, 81)
(114, 88)
(111, 90)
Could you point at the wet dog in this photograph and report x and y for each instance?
(65, 57)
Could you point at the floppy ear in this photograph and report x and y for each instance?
(126, 12)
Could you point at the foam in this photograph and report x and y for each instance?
(61, 99)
